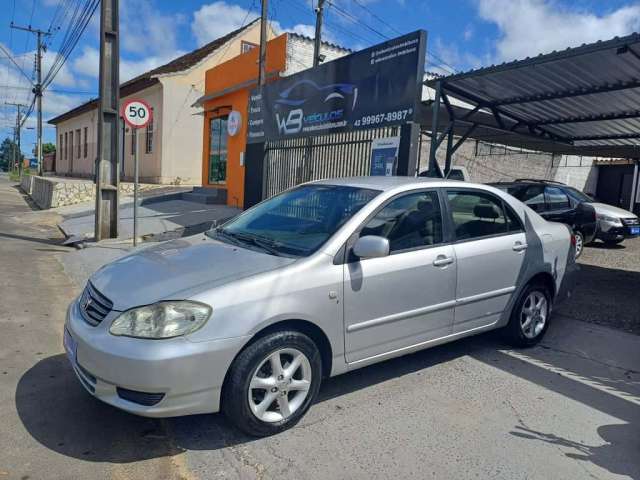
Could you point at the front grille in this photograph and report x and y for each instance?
(630, 222)
(93, 305)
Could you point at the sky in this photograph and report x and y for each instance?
(462, 34)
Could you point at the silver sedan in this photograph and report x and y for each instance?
(322, 279)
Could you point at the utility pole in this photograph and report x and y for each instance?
(262, 77)
(107, 168)
(37, 89)
(17, 134)
(317, 41)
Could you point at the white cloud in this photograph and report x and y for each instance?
(310, 31)
(88, 63)
(131, 68)
(530, 27)
(64, 77)
(448, 58)
(468, 33)
(217, 19)
(145, 30)
(302, 29)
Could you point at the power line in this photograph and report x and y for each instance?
(357, 21)
(53, 90)
(374, 15)
(10, 57)
(73, 34)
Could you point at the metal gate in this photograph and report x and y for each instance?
(298, 160)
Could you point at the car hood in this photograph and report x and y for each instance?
(178, 269)
(604, 209)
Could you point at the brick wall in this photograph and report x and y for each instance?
(492, 163)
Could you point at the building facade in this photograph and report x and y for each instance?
(226, 99)
(170, 148)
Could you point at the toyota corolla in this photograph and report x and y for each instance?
(322, 279)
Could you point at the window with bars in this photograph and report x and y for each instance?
(61, 147)
(79, 144)
(134, 135)
(86, 141)
(66, 145)
(148, 144)
(70, 146)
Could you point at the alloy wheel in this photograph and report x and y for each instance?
(579, 245)
(280, 385)
(533, 316)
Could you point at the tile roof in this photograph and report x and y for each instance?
(149, 78)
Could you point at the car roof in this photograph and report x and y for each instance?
(526, 181)
(389, 183)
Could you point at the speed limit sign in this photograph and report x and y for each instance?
(136, 113)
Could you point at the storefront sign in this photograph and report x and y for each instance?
(376, 87)
(384, 156)
(234, 122)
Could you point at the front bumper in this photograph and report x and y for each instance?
(189, 375)
(616, 233)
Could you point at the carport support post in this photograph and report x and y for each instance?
(634, 185)
(447, 163)
(432, 169)
(408, 149)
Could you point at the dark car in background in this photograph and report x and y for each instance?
(556, 202)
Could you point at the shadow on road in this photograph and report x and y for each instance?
(60, 415)
(608, 456)
(606, 296)
(26, 238)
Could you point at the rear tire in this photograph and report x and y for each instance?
(530, 316)
(579, 242)
(272, 383)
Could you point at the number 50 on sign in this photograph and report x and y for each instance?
(136, 113)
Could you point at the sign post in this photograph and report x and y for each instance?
(137, 114)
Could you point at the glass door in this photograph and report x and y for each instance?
(218, 150)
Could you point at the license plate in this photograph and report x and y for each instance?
(70, 346)
(635, 230)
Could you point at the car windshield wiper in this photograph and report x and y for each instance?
(266, 244)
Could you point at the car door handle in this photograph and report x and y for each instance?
(519, 247)
(441, 261)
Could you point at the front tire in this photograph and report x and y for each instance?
(272, 383)
(530, 316)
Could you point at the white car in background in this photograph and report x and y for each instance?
(614, 223)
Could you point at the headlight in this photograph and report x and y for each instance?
(606, 218)
(161, 320)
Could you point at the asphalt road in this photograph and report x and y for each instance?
(569, 408)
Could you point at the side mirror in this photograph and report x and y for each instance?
(371, 246)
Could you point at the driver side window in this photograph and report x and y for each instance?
(410, 221)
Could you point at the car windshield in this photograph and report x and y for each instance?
(297, 222)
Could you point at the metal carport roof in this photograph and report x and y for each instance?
(583, 100)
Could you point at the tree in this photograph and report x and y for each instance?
(46, 148)
(8, 153)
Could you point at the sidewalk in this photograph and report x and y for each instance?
(154, 218)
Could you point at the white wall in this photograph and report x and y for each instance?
(300, 53)
(176, 156)
(68, 163)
